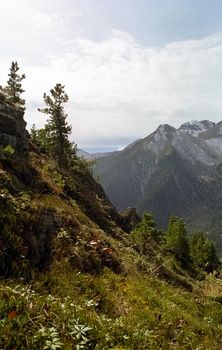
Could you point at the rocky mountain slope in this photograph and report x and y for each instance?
(170, 171)
(195, 127)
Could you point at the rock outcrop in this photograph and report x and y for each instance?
(130, 218)
(12, 126)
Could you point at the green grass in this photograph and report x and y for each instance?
(130, 311)
(96, 292)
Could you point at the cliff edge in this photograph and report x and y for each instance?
(12, 125)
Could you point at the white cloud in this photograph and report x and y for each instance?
(118, 89)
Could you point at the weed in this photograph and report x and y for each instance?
(80, 333)
(47, 339)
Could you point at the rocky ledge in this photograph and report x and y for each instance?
(12, 126)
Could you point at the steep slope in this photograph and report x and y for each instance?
(168, 172)
(211, 133)
(213, 137)
(71, 278)
(33, 191)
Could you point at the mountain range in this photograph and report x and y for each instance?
(171, 171)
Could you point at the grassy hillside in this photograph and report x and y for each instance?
(71, 277)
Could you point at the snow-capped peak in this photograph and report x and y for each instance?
(194, 127)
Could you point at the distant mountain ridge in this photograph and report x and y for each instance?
(195, 127)
(92, 156)
(170, 171)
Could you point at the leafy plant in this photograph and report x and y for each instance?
(48, 339)
(7, 150)
(79, 332)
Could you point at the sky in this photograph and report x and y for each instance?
(127, 65)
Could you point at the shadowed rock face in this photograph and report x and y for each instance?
(13, 127)
(130, 218)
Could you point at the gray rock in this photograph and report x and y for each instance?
(13, 127)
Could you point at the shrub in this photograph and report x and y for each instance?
(7, 150)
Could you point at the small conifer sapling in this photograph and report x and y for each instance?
(14, 87)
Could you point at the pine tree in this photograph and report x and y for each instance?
(34, 134)
(144, 232)
(41, 138)
(14, 86)
(176, 238)
(203, 252)
(57, 128)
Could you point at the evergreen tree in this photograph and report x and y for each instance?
(41, 138)
(57, 128)
(14, 86)
(203, 252)
(176, 238)
(144, 231)
(34, 134)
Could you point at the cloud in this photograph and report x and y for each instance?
(118, 89)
